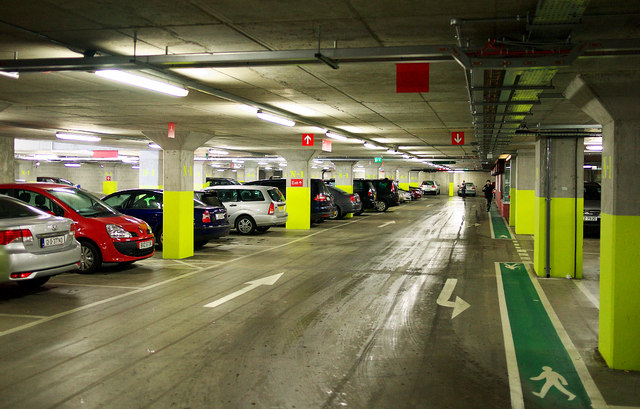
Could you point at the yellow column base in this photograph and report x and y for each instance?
(299, 208)
(177, 225)
(451, 193)
(566, 237)
(109, 187)
(525, 209)
(619, 289)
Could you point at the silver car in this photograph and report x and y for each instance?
(430, 187)
(37, 245)
(252, 208)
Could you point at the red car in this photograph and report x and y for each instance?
(105, 234)
(416, 193)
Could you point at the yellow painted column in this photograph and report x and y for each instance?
(177, 224)
(109, 186)
(525, 205)
(298, 189)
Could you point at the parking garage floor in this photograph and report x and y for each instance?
(418, 307)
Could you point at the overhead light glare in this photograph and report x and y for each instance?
(594, 148)
(154, 145)
(218, 152)
(336, 136)
(143, 82)
(14, 75)
(370, 146)
(275, 119)
(72, 165)
(77, 137)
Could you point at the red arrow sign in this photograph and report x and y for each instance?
(307, 139)
(457, 138)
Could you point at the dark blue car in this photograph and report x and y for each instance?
(210, 220)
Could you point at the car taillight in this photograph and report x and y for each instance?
(9, 236)
(370, 194)
(20, 275)
(352, 198)
(433, 186)
(321, 197)
(272, 208)
(206, 217)
(72, 229)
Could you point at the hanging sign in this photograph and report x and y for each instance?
(172, 130)
(307, 139)
(457, 138)
(326, 145)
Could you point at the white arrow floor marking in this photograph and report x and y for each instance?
(459, 305)
(271, 280)
(387, 223)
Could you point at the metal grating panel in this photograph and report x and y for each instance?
(560, 11)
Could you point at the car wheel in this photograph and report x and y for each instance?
(90, 257)
(381, 206)
(337, 214)
(33, 283)
(245, 225)
(263, 229)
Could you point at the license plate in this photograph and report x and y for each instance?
(281, 208)
(219, 216)
(52, 241)
(590, 218)
(145, 244)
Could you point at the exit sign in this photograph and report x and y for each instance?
(377, 160)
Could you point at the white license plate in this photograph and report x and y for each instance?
(145, 244)
(590, 218)
(52, 241)
(219, 216)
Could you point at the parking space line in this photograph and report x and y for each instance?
(585, 291)
(23, 316)
(94, 285)
(161, 283)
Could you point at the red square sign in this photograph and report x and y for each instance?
(412, 77)
(296, 182)
(307, 139)
(457, 138)
(326, 145)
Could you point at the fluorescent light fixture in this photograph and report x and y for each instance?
(406, 156)
(154, 145)
(220, 170)
(263, 163)
(275, 119)
(392, 152)
(128, 159)
(45, 156)
(14, 75)
(247, 108)
(72, 165)
(594, 148)
(587, 166)
(370, 146)
(135, 167)
(268, 168)
(237, 161)
(336, 136)
(70, 136)
(143, 82)
(218, 152)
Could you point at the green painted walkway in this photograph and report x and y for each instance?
(499, 229)
(547, 374)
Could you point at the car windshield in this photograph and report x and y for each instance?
(469, 184)
(592, 191)
(11, 208)
(84, 203)
(276, 195)
(428, 182)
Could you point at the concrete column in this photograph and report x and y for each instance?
(344, 179)
(298, 188)
(523, 191)
(199, 175)
(567, 204)
(150, 173)
(371, 170)
(414, 179)
(251, 172)
(7, 162)
(404, 178)
(109, 179)
(614, 102)
(177, 223)
(25, 170)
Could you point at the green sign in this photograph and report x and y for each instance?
(377, 160)
(443, 162)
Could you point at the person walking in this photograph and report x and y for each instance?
(463, 189)
(488, 193)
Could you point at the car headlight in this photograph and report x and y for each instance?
(117, 232)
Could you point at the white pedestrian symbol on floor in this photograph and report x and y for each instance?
(552, 379)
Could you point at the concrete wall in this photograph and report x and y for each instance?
(89, 176)
(7, 165)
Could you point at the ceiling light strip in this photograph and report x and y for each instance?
(143, 82)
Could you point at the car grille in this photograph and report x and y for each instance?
(131, 249)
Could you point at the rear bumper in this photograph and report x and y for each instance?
(43, 265)
(274, 220)
(211, 232)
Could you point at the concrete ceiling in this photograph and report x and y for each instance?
(359, 97)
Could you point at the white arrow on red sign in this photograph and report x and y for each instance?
(307, 139)
(457, 138)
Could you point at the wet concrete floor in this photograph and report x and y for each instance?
(348, 317)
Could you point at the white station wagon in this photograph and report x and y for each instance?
(252, 208)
